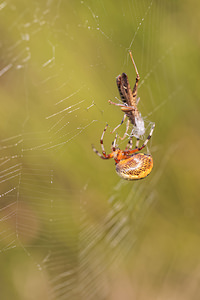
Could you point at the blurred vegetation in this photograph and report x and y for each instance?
(74, 50)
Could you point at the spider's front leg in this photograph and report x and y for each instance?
(122, 121)
(125, 109)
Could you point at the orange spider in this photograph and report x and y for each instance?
(129, 164)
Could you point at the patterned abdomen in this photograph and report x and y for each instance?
(138, 166)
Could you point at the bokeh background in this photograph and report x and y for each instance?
(70, 228)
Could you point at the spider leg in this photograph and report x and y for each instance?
(103, 155)
(124, 118)
(137, 139)
(125, 109)
(145, 143)
(148, 138)
(137, 143)
(130, 143)
(101, 141)
(127, 127)
(114, 143)
(100, 155)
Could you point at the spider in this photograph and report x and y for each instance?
(130, 101)
(129, 164)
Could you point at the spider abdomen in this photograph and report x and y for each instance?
(137, 166)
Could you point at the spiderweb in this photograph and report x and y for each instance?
(66, 218)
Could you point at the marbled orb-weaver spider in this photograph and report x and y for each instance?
(129, 164)
(130, 102)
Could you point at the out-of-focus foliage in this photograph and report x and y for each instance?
(74, 50)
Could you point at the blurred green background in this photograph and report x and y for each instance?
(70, 227)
